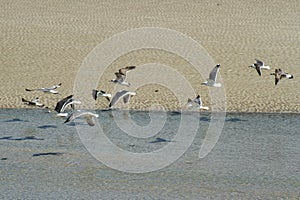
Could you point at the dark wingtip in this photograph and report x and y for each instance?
(131, 67)
(27, 89)
(67, 120)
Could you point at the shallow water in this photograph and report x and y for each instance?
(256, 156)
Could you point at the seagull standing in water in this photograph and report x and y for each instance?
(46, 90)
(121, 94)
(34, 102)
(121, 75)
(197, 102)
(100, 93)
(279, 74)
(259, 65)
(89, 116)
(211, 81)
(62, 104)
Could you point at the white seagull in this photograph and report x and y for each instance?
(121, 94)
(34, 102)
(121, 75)
(259, 65)
(279, 74)
(100, 93)
(46, 90)
(89, 116)
(211, 81)
(62, 104)
(197, 102)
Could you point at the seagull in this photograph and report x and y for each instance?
(211, 81)
(89, 116)
(198, 102)
(100, 93)
(259, 65)
(50, 89)
(122, 93)
(34, 102)
(279, 74)
(62, 104)
(121, 75)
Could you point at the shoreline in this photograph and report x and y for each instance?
(167, 111)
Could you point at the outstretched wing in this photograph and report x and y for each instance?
(278, 73)
(198, 101)
(120, 77)
(71, 117)
(60, 106)
(259, 63)
(117, 97)
(29, 90)
(55, 86)
(124, 70)
(126, 98)
(28, 102)
(105, 95)
(276, 80)
(257, 67)
(94, 94)
(214, 73)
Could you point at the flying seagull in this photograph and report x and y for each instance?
(100, 93)
(259, 65)
(279, 74)
(34, 102)
(121, 75)
(62, 104)
(211, 81)
(121, 94)
(89, 116)
(50, 89)
(197, 102)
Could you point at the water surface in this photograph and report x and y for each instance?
(256, 156)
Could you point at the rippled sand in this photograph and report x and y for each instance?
(44, 43)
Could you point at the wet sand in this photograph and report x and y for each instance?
(43, 44)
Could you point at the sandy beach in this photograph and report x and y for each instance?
(45, 43)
